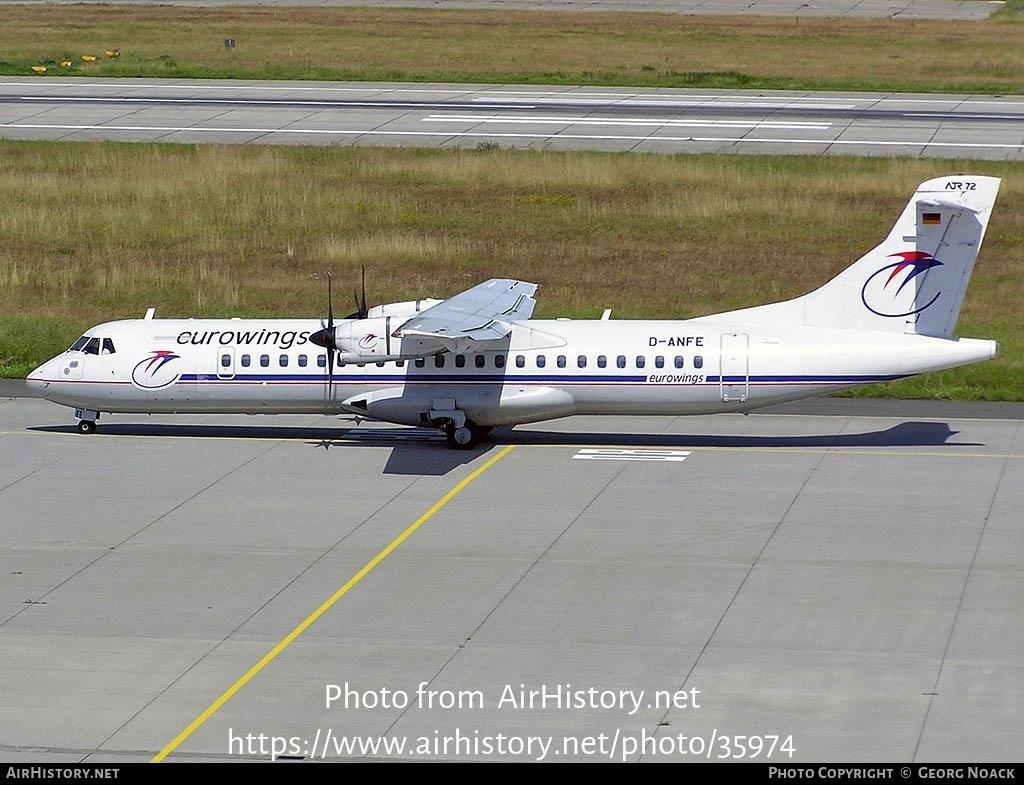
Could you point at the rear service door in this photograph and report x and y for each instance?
(734, 375)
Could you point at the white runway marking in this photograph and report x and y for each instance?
(625, 121)
(609, 454)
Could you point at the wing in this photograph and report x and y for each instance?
(474, 319)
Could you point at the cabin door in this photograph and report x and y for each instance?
(734, 376)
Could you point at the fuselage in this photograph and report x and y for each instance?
(543, 370)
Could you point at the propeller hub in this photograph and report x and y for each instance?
(324, 338)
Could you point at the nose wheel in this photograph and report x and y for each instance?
(87, 420)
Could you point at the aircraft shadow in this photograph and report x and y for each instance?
(415, 451)
(907, 434)
(423, 452)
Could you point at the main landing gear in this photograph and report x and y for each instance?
(462, 432)
(465, 437)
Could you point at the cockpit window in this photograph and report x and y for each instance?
(108, 346)
(77, 345)
(93, 346)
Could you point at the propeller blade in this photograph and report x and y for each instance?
(330, 338)
(330, 374)
(363, 311)
(325, 338)
(330, 310)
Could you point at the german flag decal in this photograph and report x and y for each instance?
(931, 219)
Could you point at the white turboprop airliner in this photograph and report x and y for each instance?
(477, 360)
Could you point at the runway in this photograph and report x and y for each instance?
(835, 586)
(555, 118)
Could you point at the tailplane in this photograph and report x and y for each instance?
(915, 280)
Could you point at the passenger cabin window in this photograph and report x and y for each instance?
(420, 362)
(264, 360)
(698, 362)
(225, 361)
(561, 361)
(499, 361)
(659, 362)
(679, 361)
(321, 361)
(620, 361)
(479, 360)
(283, 360)
(246, 361)
(602, 361)
(439, 361)
(581, 361)
(520, 361)
(541, 360)
(641, 361)
(303, 360)
(460, 361)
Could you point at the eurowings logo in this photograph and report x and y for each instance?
(153, 372)
(883, 293)
(368, 341)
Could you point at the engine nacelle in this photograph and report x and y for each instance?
(374, 340)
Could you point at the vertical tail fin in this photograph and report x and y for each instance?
(916, 279)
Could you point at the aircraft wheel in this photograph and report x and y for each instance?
(464, 438)
(86, 426)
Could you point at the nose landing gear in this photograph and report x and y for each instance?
(87, 420)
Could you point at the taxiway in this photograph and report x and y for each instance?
(178, 588)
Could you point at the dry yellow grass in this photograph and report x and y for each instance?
(591, 48)
(101, 230)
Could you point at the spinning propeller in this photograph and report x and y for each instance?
(361, 310)
(325, 338)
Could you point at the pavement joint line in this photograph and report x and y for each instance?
(956, 623)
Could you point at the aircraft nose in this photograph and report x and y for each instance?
(38, 380)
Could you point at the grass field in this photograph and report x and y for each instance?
(650, 50)
(93, 232)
